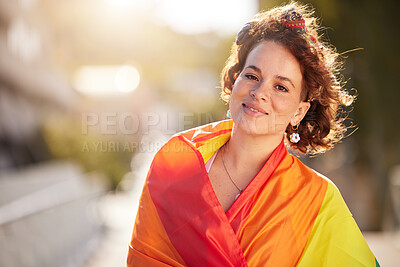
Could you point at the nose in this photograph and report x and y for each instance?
(259, 93)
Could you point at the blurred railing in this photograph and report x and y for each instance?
(48, 215)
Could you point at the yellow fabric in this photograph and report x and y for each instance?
(209, 148)
(335, 239)
(208, 145)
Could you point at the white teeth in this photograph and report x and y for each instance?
(254, 110)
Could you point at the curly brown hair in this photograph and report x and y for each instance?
(323, 125)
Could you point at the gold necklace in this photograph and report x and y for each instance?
(226, 169)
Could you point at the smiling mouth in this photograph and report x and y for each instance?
(253, 109)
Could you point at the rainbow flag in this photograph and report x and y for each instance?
(289, 215)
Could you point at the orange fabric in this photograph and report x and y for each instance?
(282, 216)
(150, 246)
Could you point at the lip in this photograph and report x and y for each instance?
(253, 106)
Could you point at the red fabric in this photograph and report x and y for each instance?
(191, 214)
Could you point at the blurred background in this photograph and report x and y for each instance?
(91, 89)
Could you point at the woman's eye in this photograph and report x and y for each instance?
(281, 88)
(251, 77)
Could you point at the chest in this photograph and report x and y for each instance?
(227, 187)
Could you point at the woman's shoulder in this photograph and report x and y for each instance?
(203, 140)
(311, 176)
(309, 172)
(206, 131)
(333, 198)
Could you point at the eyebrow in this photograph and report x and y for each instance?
(282, 78)
(254, 68)
(279, 77)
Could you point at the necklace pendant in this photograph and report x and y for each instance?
(237, 195)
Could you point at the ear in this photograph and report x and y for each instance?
(300, 113)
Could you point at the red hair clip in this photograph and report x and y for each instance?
(294, 20)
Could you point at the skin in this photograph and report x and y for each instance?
(271, 83)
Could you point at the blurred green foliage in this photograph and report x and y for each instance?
(94, 152)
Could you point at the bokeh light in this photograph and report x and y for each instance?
(106, 80)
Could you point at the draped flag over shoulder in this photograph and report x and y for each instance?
(288, 215)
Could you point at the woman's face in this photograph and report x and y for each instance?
(266, 95)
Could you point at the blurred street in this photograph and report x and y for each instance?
(118, 211)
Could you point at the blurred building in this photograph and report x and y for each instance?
(47, 208)
(29, 86)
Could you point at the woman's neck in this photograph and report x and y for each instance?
(250, 151)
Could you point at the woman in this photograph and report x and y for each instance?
(229, 193)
